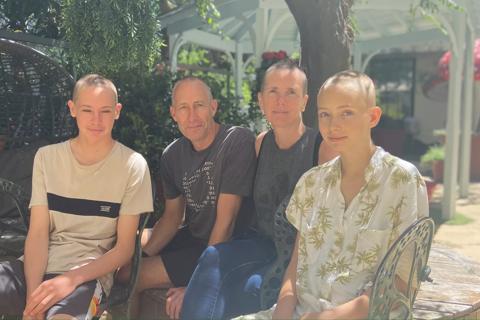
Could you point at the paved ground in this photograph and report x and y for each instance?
(464, 238)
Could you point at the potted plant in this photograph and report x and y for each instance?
(434, 157)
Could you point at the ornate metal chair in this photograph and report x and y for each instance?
(121, 293)
(284, 237)
(397, 281)
(33, 94)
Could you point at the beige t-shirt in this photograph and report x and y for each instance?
(85, 202)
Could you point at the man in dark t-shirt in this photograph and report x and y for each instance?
(205, 175)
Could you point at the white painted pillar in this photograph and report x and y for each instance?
(238, 70)
(467, 111)
(175, 42)
(260, 34)
(453, 116)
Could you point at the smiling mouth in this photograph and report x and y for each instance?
(336, 139)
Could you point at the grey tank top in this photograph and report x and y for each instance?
(278, 171)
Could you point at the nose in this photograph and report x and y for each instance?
(281, 98)
(192, 115)
(96, 117)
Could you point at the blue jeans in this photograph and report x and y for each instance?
(227, 280)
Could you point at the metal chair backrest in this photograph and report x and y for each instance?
(121, 293)
(396, 286)
(33, 94)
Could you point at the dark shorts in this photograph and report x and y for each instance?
(82, 303)
(180, 256)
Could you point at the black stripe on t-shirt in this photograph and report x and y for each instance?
(83, 207)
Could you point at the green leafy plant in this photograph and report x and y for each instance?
(433, 153)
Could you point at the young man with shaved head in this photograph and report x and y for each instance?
(87, 194)
(205, 174)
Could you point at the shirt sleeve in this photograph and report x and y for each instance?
(239, 164)
(301, 201)
(170, 191)
(138, 194)
(39, 189)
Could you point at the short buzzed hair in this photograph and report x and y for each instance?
(286, 64)
(359, 79)
(191, 79)
(93, 80)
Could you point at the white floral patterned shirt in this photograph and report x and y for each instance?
(340, 250)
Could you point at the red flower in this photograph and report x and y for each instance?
(280, 55)
(268, 55)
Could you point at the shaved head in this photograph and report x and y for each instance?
(353, 81)
(190, 80)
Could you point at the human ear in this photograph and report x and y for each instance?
(71, 107)
(375, 115)
(305, 100)
(118, 108)
(172, 113)
(214, 105)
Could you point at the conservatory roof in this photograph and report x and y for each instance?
(380, 24)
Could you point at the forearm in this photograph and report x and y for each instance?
(228, 206)
(353, 309)
(221, 232)
(109, 262)
(35, 260)
(163, 231)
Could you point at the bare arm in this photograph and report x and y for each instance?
(227, 210)
(167, 226)
(287, 298)
(353, 309)
(36, 248)
(52, 291)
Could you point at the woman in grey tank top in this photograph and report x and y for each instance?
(244, 275)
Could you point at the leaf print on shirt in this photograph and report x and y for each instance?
(368, 258)
(368, 205)
(395, 220)
(317, 234)
(419, 180)
(332, 177)
(399, 177)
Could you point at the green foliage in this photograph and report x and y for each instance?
(111, 36)
(429, 8)
(433, 153)
(145, 124)
(38, 17)
(459, 219)
(208, 12)
(215, 70)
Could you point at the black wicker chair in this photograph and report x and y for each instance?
(33, 94)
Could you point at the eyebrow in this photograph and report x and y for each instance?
(345, 106)
(90, 107)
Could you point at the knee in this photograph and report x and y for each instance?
(209, 258)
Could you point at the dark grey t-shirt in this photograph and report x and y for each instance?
(278, 171)
(226, 166)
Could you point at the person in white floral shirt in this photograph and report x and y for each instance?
(347, 211)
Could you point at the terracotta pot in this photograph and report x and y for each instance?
(431, 185)
(437, 170)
